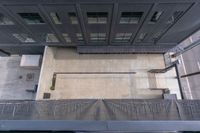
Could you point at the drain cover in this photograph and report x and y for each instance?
(30, 77)
(46, 95)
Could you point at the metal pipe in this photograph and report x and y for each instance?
(190, 74)
(179, 81)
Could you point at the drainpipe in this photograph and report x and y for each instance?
(179, 80)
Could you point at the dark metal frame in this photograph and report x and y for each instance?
(114, 8)
(56, 73)
(83, 125)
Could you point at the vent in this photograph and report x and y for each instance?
(176, 15)
(97, 17)
(155, 17)
(130, 17)
(46, 95)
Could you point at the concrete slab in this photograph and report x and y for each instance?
(86, 86)
(14, 80)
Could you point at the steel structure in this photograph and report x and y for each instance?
(98, 126)
(100, 26)
(117, 115)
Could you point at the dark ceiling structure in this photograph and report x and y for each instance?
(97, 26)
(99, 116)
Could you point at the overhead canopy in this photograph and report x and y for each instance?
(122, 26)
(100, 110)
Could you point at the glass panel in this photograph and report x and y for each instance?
(93, 34)
(32, 18)
(123, 37)
(66, 37)
(102, 34)
(133, 20)
(98, 36)
(23, 38)
(51, 38)
(102, 20)
(79, 36)
(102, 39)
(130, 17)
(73, 18)
(94, 39)
(97, 17)
(124, 20)
(120, 34)
(5, 21)
(92, 20)
(128, 34)
(55, 18)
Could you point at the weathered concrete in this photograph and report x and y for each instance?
(86, 86)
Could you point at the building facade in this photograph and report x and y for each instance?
(100, 26)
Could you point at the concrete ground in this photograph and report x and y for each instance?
(103, 86)
(190, 63)
(14, 81)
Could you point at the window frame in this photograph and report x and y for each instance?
(25, 16)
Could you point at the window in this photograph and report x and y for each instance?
(55, 18)
(176, 15)
(79, 37)
(123, 37)
(5, 21)
(32, 18)
(51, 38)
(73, 18)
(130, 17)
(98, 36)
(155, 17)
(23, 38)
(66, 37)
(97, 17)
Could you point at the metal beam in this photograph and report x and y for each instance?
(190, 74)
(127, 126)
(179, 82)
(4, 53)
(194, 44)
(56, 73)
